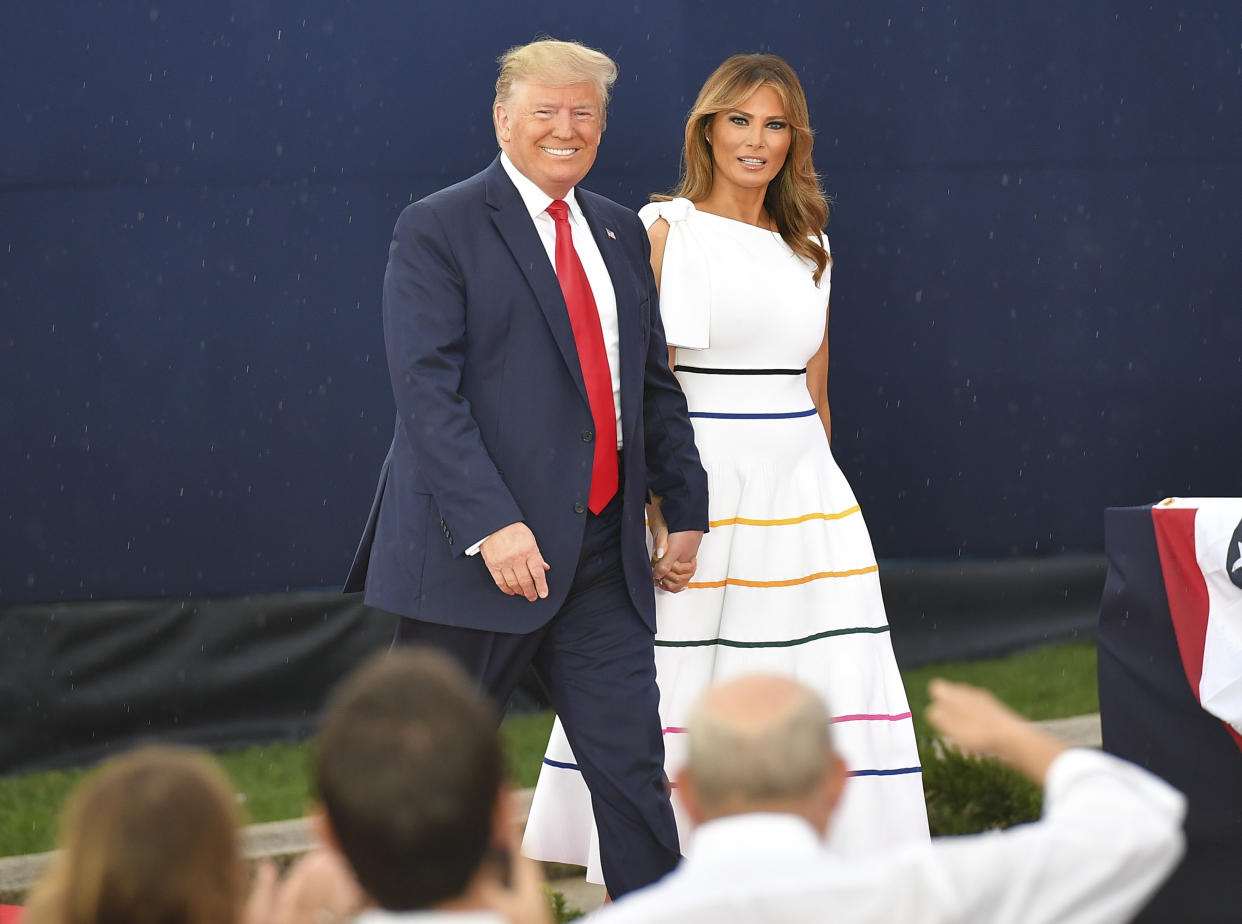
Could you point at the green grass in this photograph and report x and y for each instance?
(966, 794)
(28, 809)
(273, 781)
(525, 737)
(1046, 683)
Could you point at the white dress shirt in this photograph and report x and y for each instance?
(537, 202)
(1110, 834)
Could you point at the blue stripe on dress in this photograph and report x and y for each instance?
(894, 772)
(811, 413)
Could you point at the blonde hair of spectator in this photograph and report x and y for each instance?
(151, 837)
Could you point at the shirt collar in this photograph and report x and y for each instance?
(534, 198)
(754, 833)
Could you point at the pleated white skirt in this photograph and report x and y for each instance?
(787, 583)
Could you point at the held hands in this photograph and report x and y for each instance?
(674, 570)
(516, 565)
(675, 555)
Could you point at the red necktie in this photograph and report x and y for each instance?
(589, 337)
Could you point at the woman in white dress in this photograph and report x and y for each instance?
(786, 579)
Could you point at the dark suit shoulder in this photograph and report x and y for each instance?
(452, 200)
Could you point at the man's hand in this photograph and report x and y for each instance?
(976, 721)
(674, 570)
(516, 565)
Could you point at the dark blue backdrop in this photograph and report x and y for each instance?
(1035, 302)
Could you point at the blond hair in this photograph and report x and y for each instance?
(149, 838)
(555, 63)
(795, 201)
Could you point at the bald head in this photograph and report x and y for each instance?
(760, 743)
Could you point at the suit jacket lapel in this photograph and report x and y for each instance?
(519, 234)
(628, 334)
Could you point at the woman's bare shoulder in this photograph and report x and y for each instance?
(658, 233)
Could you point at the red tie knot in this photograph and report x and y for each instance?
(558, 210)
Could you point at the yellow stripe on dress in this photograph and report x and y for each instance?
(788, 521)
(792, 582)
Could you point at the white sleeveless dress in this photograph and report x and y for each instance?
(787, 580)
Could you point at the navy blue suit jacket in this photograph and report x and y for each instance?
(493, 424)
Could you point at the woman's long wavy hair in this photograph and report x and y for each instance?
(795, 201)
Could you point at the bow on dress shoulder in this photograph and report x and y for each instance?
(685, 280)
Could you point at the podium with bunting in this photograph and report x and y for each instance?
(1170, 679)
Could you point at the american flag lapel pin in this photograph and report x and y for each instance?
(608, 231)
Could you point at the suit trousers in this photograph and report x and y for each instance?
(595, 659)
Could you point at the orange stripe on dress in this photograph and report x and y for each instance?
(792, 582)
(788, 521)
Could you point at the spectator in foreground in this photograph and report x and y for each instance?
(150, 838)
(762, 781)
(411, 778)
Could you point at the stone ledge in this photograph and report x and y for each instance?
(280, 840)
(1078, 731)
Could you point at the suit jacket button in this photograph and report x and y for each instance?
(587, 436)
(579, 507)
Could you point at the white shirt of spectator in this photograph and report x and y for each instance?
(1110, 834)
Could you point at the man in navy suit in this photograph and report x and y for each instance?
(525, 348)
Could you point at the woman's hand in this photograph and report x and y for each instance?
(659, 530)
(678, 575)
(681, 560)
(674, 557)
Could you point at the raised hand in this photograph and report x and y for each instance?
(976, 721)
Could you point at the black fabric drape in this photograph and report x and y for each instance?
(81, 680)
